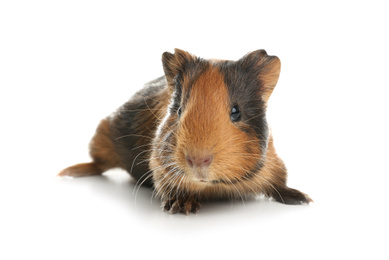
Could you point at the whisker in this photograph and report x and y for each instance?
(150, 109)
(137, 191)
(253, 117)
(271, 185)
(252, 141)
(178, 187)
(137, 135)
(151, 158)
(148, 144)
(139, 110)
(171, 172)
(172, 179)
(136, 157)
(247, 179)
(157, 167)
(173, 183)
(154, 142)
(233, 185)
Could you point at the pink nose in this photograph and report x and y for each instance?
(199, 161)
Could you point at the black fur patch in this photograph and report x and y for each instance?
(132, 129)
(193, 70)
(244, 87)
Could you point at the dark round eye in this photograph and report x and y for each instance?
(235, 114)
(179, 111)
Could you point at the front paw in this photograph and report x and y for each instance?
(184, 205)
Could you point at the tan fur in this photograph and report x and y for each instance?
(81, 169)
(102, 151)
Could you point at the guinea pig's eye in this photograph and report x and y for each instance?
(235, 114)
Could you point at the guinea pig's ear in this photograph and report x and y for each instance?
(267, 69)
(175, 63)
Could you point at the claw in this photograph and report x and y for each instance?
(175, 208)
(196, 208)
(166, 206)
(185, 206)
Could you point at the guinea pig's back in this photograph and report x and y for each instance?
(134, 124)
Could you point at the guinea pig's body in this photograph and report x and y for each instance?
(198, 133)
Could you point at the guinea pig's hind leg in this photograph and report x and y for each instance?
(102, 151)
(289, 196)
(183, 205)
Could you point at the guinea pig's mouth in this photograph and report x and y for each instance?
(200, 175)
(202, 182)
(209, 182)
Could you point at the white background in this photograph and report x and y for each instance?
(64, 65)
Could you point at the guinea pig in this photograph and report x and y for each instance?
(197, 133)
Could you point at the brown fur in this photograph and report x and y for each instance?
(102, 151)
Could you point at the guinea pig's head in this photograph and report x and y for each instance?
(215, 131)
